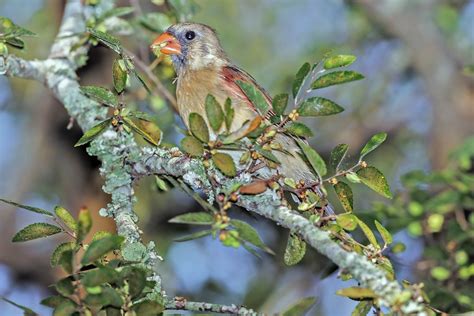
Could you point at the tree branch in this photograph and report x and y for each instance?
(181, 304)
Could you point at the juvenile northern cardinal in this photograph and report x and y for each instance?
(203, 68)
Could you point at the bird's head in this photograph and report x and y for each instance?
(191, 46)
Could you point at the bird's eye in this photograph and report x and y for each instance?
(190, 35)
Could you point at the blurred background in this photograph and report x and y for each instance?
(416, 57)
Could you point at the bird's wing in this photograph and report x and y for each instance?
(232, 74)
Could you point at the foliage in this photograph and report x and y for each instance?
(438, 208)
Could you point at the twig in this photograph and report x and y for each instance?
(180, 303)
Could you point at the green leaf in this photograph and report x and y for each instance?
(107, 39)
(229, 113)
(362, 309)
(136, 279)
(53, 301)
(339, 61)
(65, 287)
(255, 96)
(84, 224)
(66, 308)
(318, 106)
(26, 311)
(299, 129)
(148, 308)
(66, 217)
(107, 296)
(314, 158)
(368, 233)
(198, 127)
(29, 208)
(249, 234)
(386, 236)
(225, 164)
(196, 235)
(299, 78)
(3, 50)
(192, 146)
(353, 177)
(99, 276)
(57, 253)
(120, 11)
(280, 101)
(374, 179)
(156, 22)
(101, 95)
(15, 42)
(294, 251)
(214, 113)
(137, 128)
(92, 133)
(99, 248)
(246, 128)
(337, 156)
(344, 193)
(66, 259)
(194, 218)
(356, 293)
(142, 116)
(347, 221)
(10, 29)
(373, 143)
(301, 307)
(336, 77)
(119, 74)
(35, 231)
(440, 273)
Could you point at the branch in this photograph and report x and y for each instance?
(181, 304)
(269, 204)
(14, 66)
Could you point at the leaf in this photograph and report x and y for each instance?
(101, 95)
(301, 307)
(140, 131)
(336, 77)
(214, 113)
(57, 253)
(299, 129)
(372, 144)
(356, 293)
(374, 179)
(255, 96)
(92, 133)
(136, 278)
(229, 113)
(196, 235)
(53, 301)
(344, 193)
(362, 309)
(15, 42)
(253, 188)
(143, 116)
(147, 308)
(314, 158)
(10, 29)
(337, 156)
(294, 251)
(35, 231)
(368, 233)
(66, 308)
(225, 164)
(107, 296)
(107, 39)
(65, 286)
(249, 234)
(352, 177)
(26, 311)
(155, 21)
(266, 154)
(66, 217)
(279, 103)
(66, 259)
(246, 129)
(318, 106)
(29, 208)
(299, 78)
(101, 247)
(194, 218)
(120, 11)
(119, 74)
(347, 221)
(84, 224)
(386, 236)
(192, 146)
(339, 61)
(99, 276)
(198, 127)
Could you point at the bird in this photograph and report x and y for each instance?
(202, 68)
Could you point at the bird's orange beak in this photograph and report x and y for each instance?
(167, 44)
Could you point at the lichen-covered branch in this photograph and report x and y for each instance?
(182, 304)
(269, 205)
